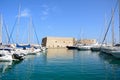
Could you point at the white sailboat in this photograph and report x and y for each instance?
(32, 50)
(116, 51)
(19, 48)
(4, 54)
(108, 48)
(113, 49)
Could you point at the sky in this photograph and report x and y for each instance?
(57, 18)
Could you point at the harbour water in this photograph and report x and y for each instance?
(63, 64)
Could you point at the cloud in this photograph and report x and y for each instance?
(45, 12)
(43, 17)
(44, 6)
(49, 27)
(24, 13)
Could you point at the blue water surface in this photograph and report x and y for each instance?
(62, 64)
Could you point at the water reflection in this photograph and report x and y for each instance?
(65, 54)
(6, 66)
(109, 59)
(60, 53)
(44, 58)
(57, 64)
(111, 65)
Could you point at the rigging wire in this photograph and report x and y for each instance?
(109, 23)
(35, 32)
(12, 31)
(6, 29)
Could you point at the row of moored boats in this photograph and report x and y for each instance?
(108, 49)
(18, 52)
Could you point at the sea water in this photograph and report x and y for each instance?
(62, 64)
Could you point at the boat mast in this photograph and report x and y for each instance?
(112, 27)
(1, 24)
(119, 19)
(18, 25)
(29, 30)
(105, 29)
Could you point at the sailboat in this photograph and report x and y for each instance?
(113, 49)
(4, 53)
(116, 49)
(18, 52)
(21, 50)
(33, 49)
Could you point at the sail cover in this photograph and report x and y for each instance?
(23, 46)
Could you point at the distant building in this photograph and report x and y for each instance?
(57, 42)
(87, 41)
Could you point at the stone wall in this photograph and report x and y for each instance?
(57, 42)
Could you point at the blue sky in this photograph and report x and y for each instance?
(62, 18)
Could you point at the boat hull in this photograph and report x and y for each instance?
(116, 54)
(96, 48)
(6, 58)
(84, 48)
(71, 47)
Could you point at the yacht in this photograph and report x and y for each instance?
(33, 51)
(95, 48)
(113, 49)
(71, 47)
(85, 47)
(4, 56)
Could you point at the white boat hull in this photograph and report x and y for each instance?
(116, 54)
(84, 47)
(6, 58)
(115, 51)
(33, 51)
